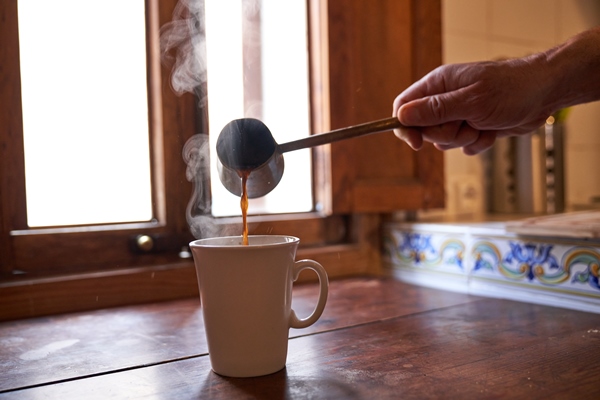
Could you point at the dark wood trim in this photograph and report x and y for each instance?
(155, 104)
(26, 298)
(427, 28)
(12, 164)
(374, 53)
(179, 114)
(372, 196)
(79, 292)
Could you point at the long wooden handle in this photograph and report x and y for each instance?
(381, 125)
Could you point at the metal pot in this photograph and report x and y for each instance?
(246, 145)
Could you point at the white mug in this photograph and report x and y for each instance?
(246, 298)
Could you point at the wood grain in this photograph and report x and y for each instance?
(375, 52)
(481, 348)
(83, 292)
(12, 159)
(131, 337)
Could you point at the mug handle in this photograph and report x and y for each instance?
(296, 322)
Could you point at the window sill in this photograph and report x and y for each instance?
(35, 297)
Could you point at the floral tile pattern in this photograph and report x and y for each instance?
(419, 249)
(548, 264)
(509, 265)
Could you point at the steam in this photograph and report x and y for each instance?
(196, 154)
(183, 45)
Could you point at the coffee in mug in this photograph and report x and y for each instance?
(246, 298)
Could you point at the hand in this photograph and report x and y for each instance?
(470, 105)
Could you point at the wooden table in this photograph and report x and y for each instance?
(377, 339)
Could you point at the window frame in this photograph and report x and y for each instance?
(345, 240)
(83, 248)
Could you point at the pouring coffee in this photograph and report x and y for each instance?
(246, 148)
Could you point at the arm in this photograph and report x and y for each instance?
(469, 105)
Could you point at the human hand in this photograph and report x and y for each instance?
(470, 105)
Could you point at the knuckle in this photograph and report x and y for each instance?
(438, 108)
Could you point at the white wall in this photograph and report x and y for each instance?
(490, 29)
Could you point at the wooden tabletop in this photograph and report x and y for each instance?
(377, 339)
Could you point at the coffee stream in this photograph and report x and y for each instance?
(183, 46)
(198, 213)
(244, 204)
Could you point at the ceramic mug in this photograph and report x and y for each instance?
(246, 298)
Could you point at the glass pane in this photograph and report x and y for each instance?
(85, 111)
(273, 35)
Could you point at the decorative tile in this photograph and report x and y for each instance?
(493, 262)
(571, 268)
(427, 250)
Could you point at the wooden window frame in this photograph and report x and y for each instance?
(46, 251)
(343, 235)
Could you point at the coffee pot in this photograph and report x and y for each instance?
(246, 146)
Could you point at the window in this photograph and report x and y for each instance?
(87, 157)
(34, 242)
(73, 267)
(257, 67)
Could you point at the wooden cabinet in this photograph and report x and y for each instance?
(374, 51)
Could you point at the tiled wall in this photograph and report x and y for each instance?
(484, 259)
(490, 29)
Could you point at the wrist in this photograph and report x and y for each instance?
(573, 71)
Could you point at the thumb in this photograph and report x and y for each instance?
(430, 110)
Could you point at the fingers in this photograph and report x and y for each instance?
(485, 140)
(440, 80)
(411, 136)
(445, 136)
(472, 141)
(448, 136)
(436, 109)
(437, 98)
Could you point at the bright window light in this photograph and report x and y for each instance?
(284, 103)
(85, 113)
